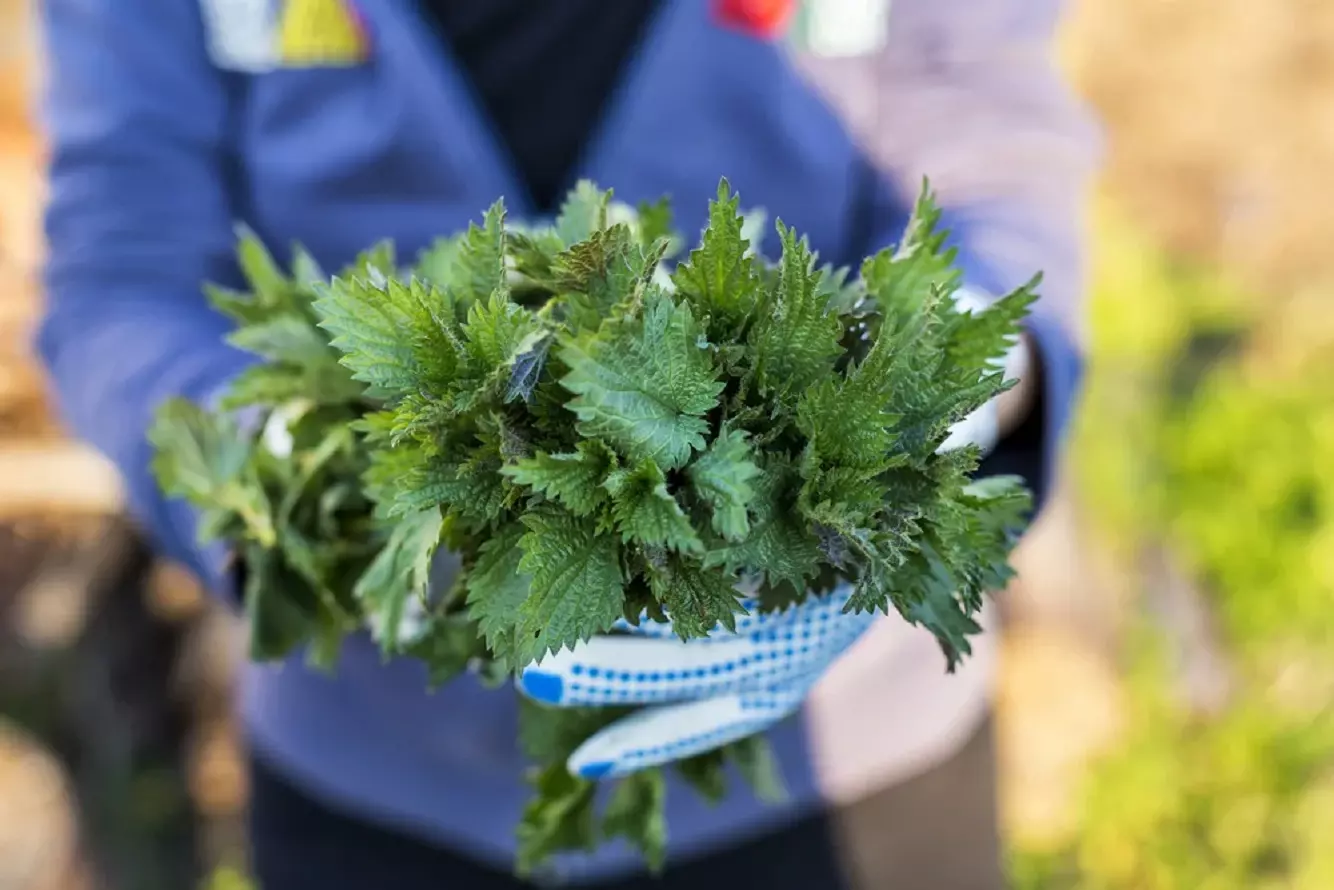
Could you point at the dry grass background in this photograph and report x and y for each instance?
(1219, 119)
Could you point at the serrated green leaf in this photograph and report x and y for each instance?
(473, 492)
(559, 818)
(696, 599)
(306, 272)
(656, 223)
(284, 338)
(400, 337)
(920, 266)
(279, 608)
(526, 368)
(595, 275)
(267, 280)
(795, 337)
(498, 330)
(497, 589)
(706, 774)
(583, 213)
(205, 459)
(755, 761)
(480, 264)
(644, 386)
(574, 478)
(778, 545)
(647, 513)
(577, 583)
(718, 278)
(721, 477)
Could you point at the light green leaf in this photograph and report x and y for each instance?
(583, 213)
(573, 478)
(400, 337)
(720, 477)
(400, 572)
(645, 385)
(284, 338)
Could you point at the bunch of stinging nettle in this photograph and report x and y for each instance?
(596, 437)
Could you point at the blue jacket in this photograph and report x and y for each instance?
(156, 153)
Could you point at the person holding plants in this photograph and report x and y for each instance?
(335, 125)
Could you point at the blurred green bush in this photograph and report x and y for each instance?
(1208, 428)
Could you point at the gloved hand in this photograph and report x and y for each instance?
(707, 692)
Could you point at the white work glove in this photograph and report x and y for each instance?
(706, 692)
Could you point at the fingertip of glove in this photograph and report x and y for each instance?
(595, 770)
(542, 686)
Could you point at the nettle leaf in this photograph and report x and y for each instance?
(206, 460)
(647, 513)
(696, 599)
(656, 224)
(645, 385)
(284, 338)
(498, 330)
(560, 817)
(479, 266)
(611, 267)
(795, 337)
(527, 366)
(471, 492)
(497, 589)
(583, 213)
(921, 265)
(270, 285)
(399, 337)
(398, 575)
(637, 812)
(574, 478)
(577, 584)
(721, 478)
(978, 339)
(779, 545)
(718, 278)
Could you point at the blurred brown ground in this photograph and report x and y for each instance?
(1219, 116)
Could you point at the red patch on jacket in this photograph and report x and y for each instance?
(764, 19)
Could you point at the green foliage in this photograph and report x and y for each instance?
(594, 437)
(1239, 801)
(275, 474)
(1207, 425)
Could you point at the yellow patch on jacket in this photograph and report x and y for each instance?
(321, 32)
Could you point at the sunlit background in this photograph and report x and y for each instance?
(1165, 704)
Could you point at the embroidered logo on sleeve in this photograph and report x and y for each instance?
(240, 34)
(255, 36)
(322, 32)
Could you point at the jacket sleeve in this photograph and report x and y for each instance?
(138, 217)
(966, 94)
